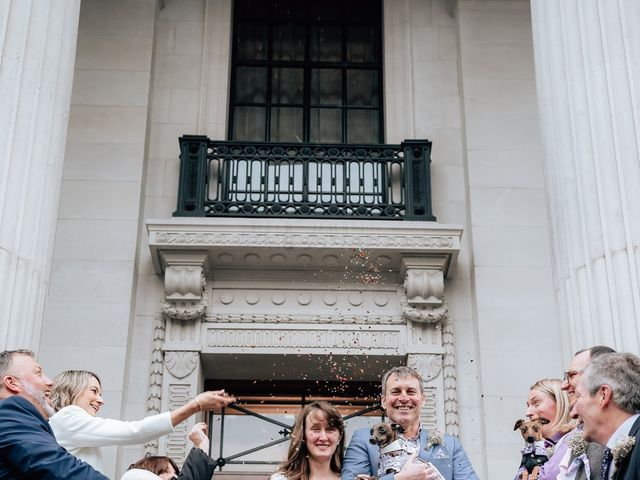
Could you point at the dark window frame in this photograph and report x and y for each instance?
(372, 20)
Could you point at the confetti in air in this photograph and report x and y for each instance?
(361, 259)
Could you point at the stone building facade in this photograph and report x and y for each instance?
(532, 111)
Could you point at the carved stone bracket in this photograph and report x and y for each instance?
(185, 285)
(424, 288)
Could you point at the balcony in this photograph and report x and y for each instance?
(227, 263)
(331, 181)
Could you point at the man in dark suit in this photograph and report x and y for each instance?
(607, 403)
(28, 448)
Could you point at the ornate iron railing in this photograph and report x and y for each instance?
(220, 178)
(236, 458)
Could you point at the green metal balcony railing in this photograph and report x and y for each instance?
(240, 179)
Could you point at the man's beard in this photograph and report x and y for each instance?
(38, 397)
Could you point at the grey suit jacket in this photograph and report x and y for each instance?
(595, 452)
(450, 458)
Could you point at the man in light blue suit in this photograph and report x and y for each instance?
(402, 399)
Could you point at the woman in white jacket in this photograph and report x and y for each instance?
(77, 398)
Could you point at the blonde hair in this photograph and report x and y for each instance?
(551, 386)
(68, 385)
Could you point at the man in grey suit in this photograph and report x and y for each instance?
(402, 399)
(608, 404)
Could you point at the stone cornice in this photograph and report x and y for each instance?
(232, 234)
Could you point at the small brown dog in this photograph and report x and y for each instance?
(383, 433)
(531, 461)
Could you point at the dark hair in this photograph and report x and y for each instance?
(596, 351)
(296, 466)
(155, 464)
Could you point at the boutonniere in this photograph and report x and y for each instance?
(622, 448)
(549, 451)
(577, 444)
(434, 438)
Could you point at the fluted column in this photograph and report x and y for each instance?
(37, 54)
(587, 57)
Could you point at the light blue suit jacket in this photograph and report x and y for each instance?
(362, 458)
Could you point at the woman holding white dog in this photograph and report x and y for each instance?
(317, 445)
(77, 398)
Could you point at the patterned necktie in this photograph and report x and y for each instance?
(607, 456)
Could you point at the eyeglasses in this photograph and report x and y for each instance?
(571, 374)
(568, 376)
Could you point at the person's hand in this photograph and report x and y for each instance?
(416, 469)
(213, 400)
(198, 435)
(433, 473)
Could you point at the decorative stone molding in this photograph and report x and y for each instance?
(300, 318)
(185, 311)
(425, 315)
(272, 239)
(154, 396)
(429, 366)
(450, 384)
(429, 411)
(181, 364)
(290, 338)
(248, 243)
(181, 378)
(424, 288)
(176, 446)
(185, 284)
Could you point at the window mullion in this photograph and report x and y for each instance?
(267, 136)
(306, 92)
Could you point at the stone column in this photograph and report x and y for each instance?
(37, 45)
(587, 58)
